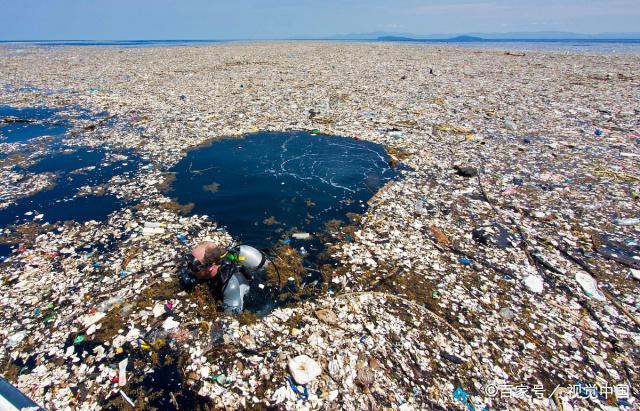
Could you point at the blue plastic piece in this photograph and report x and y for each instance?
(463, 396)
(464, 261)
(302, 395)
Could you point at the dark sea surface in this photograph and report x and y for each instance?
(73, 167)
(267, 184)
(45, 122)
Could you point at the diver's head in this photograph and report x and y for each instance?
(210, 256)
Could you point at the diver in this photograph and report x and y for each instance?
(228, 271)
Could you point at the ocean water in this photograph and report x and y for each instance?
(5, 251)
(46, 122)
(622, 46)
(73, 168)
(108, 43)
(560, 46)
(266, 185)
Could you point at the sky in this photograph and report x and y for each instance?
(274, 19)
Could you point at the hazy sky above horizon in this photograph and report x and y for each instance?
(260, 19)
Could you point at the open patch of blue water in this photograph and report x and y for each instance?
(42, 121)
(5, 251)
(67, 161)
(266, 184)
(20, 132)
(22, 124)
(31, 113)
(73, 169)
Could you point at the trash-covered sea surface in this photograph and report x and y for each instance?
(273, 189)
(501, 271)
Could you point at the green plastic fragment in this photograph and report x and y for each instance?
(78, 339)
(222, 380)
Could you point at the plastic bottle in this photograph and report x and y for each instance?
(152, 230)
(233, 296)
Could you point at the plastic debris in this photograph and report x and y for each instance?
(301, 236)
(122, 372)
(534, 283)
(465, 261)
(507, 313)
(150, 224)
(158, 310)
(462, 396)
(466, 171)
(589, 285)
(170, 324)
(16, 338)
(303, 369)
(182, 239)
(223, 380)
(627, 221)
(327, 316)
(300, 395)
(149, 231)
(127, 399)
(548, 182)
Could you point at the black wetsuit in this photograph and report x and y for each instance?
(217, 284)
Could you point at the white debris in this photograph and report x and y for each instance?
(534, 283)
(122, 372)
(589, 285)
(170, 324)
(301, 236)
(303, 369)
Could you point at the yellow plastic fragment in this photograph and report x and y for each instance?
(601, 171)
